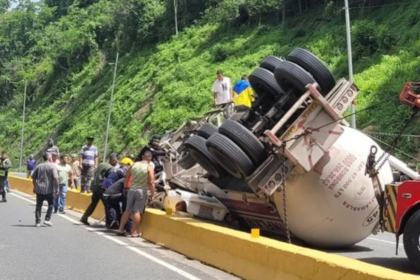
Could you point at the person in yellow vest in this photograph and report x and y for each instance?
(243, 95)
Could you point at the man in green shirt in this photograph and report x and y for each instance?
(97, 191)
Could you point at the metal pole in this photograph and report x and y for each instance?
(350, 59)
(110, 107)
(176, 16)
(23, 128)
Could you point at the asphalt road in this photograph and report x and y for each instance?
(380, 250)
(69, 250)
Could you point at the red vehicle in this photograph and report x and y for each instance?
(401, 201)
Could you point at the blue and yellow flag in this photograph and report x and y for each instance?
(243, 93)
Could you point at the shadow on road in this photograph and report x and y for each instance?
(401, 264)
(21, 225)
(351, 249)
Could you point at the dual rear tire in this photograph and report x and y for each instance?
(233, 149)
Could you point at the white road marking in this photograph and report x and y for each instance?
(118, 241)
(385, 241)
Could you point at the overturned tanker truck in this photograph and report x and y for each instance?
(289, 165)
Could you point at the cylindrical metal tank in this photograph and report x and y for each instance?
(334, 204)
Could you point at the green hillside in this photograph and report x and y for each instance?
(65, 50)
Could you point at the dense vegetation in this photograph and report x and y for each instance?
(65, 50)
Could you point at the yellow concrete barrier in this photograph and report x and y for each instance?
(238, 252)
(254, 258)
(78, 202)
(21, 184)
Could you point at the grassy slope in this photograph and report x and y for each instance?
(159, 87)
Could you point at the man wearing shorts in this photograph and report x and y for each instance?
(89, 162)
(142, 178)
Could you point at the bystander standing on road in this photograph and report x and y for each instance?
(89, 162)
(97, 190)
(54, 158)
(65, 175)
(52, 149)
(5, 164)
(76, 168)
(30, 166)
(45, 182)
(142, 178)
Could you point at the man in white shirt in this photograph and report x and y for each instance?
(222, 89)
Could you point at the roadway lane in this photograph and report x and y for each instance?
(380, 250)
(69, 250)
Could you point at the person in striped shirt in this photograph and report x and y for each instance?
(89, 162)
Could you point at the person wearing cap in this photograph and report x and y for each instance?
(30, 166)
(52, 150)
(97, 190)
(89, 162)
(118, 172)
(113, 201)
(76, 168)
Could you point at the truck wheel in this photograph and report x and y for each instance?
(230, 156)
(263, 82)
(314, 66)
(196, 146)
(411, 239)
(206, 130)
(186, 161)
(291, 76)
(244, 138)
(270, 63)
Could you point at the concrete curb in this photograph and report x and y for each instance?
(237, 252)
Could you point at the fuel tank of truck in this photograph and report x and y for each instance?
(334, 205)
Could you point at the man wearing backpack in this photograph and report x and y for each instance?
(97, 191)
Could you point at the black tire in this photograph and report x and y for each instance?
(230, 156)
(270, 63)
(291, 76)
(314, 66)
(411, 239)
(245, 140)
(263, 82)
(197, 148)
(186, 161)
(206, 130)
